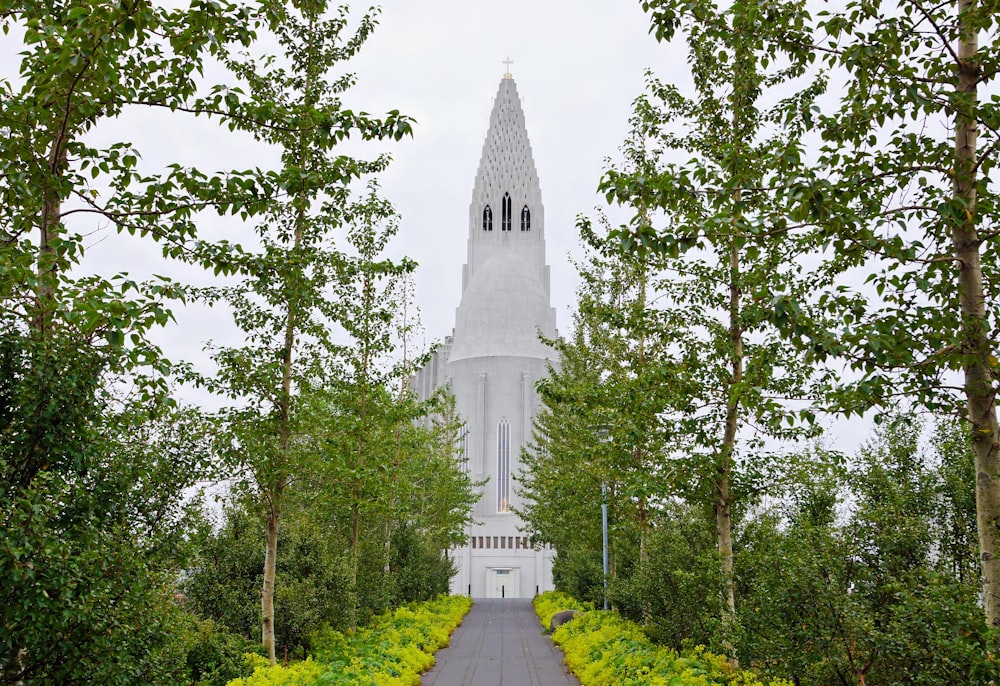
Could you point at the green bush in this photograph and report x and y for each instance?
(548, 604)
(676, 592)
(312, 584)
(603, 649)
(311, 580)
(214, 656)
(419, 571)
(888, 589)
(393, 651)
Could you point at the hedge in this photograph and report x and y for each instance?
(394, 650)
(602, 649)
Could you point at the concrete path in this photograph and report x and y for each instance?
(500, 643)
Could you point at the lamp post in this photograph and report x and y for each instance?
(604, 537)
(603, 438)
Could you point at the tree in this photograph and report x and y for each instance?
(908, 200)
(93, 519)
(86, 531)
(611, 377)
(560, 481)
(224, 581)
(438, 503)
(284, 306)
(724, 238)
(862, 593)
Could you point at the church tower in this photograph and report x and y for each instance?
(494, 357)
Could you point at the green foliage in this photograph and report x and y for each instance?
(419, 571)
(614, 372)
(548, 604)
(708, 247)
(675, 593)
(299, 289)
(884, 197)
(212, 655)
(395, 649)
(93, 519)
(224, 582)
(868, 594)
(304, 673)
(95, 456)
(603, 649)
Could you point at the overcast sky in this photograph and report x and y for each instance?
(578, 65)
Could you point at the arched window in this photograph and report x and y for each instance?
(505, 213)
(503, 466)
(487, 219)
(525, 219)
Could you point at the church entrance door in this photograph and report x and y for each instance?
(504, 582)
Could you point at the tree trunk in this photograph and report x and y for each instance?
(978, 357)
(640, 453)
(267, 593)
(49, 228)
(723, 519)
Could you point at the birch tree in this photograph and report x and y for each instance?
(285, 306)
(611, 378)
(72, 341)
(702, 176)
(904, 199)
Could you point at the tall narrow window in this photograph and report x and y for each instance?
(487, 219)
(463, 457)
(505, 218)
(525, 219)
(503, 466)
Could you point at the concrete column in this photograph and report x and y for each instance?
(525, 408)
(540, 572)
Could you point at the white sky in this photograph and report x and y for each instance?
(578, 65)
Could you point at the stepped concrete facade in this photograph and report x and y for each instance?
(494, 357)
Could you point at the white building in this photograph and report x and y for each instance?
(494, 357)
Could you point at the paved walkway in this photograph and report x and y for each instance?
(500, 643)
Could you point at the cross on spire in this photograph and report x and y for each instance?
(508, 62)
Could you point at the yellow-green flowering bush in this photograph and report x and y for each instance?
(296, 674)
(393, 651)
(547, 604)
(603, 649)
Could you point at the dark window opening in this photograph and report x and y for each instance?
(505, 213)
(487, 219)
(525, 219)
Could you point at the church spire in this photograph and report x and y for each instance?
(505, 281)
(506, 209)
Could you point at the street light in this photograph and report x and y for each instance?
(604, 437)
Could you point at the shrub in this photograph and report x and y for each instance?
(302, 673)
(603, 649)
(212, 655)
(393, 651)
(547, 604)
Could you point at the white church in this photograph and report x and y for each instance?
(494, 357)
